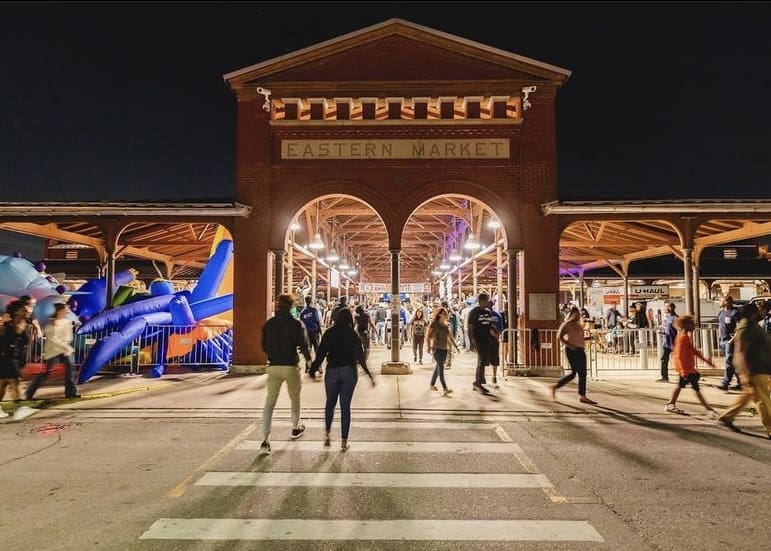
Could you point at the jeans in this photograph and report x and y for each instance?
(577, 360)
(381, 329)
(665, 362)
(730, 371)
(417, 347)
(70, 389)
(277, 374)
(440, 355)
(340, 381)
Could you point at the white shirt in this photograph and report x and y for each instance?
(58, 336)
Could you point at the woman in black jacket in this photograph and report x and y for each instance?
(343, 351)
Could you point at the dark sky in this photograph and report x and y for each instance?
(126, 101)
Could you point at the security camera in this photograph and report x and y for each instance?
(526, 89)
(266, 91)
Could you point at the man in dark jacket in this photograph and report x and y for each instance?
(668, 334)
(282, 336)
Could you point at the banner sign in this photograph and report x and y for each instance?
(420, 288)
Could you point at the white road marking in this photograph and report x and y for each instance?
(388, 447)
(376, 480)
(338, 530)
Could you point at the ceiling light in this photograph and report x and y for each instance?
(455, 255)
(294, 226)
(471, 243)
(317, 243)
(494, 224)
(332, 256)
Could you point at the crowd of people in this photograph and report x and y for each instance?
(340, 337)
(18, 331)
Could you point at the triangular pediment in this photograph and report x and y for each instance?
(397, 51)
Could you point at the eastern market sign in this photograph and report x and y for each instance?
(497, 148)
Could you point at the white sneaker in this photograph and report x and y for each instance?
(672, 408)
(3, 414)
(23, 412)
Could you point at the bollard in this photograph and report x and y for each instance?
(642, 346)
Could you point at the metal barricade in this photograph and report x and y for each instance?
(191, 346)
(619, 350)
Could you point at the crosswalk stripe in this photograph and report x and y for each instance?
(408, 425)
(376, 480)
(321, 530)
(389, 447)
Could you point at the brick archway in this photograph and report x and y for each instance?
(326, 121)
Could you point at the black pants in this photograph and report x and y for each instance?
(70, 389)
(665, 362)
(577, 360)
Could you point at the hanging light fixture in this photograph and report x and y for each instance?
(316, 243)
(494, 223)
(343, 259)
(455, 255)
(332, 256)
(294, 226)
(471, 243)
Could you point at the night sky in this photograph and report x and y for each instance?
(113, 101)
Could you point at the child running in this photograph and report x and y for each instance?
(685, 355)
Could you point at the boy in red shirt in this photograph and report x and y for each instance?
(685, 355)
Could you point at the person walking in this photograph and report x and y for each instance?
(14, 341)
(482, 337)
(685, 364)
(571, 335)
(753, 360)
(362, 325)
(727, 321)
(417, 332)
(311, 318)
(668, 335)
(57, 348)
(342, 348)
(440, 341)
(282, 336)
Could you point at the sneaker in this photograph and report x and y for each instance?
(672, 408)
(736, 387)
(712, 414)
(433, 387)
(23, 412)
(326, 441)
(662, 380)
(265, 447)
(723, 387)
(3, 414)
(298, 432)
(447, 391)
(480, 388)
(585, 400)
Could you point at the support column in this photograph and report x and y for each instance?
(395, 367)
(314, 280)
(475, 277)
(109, 276)
(278, 273)
(290, 264)
(688, 279)
(511, 291)
(696, 297)
(499, 274)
